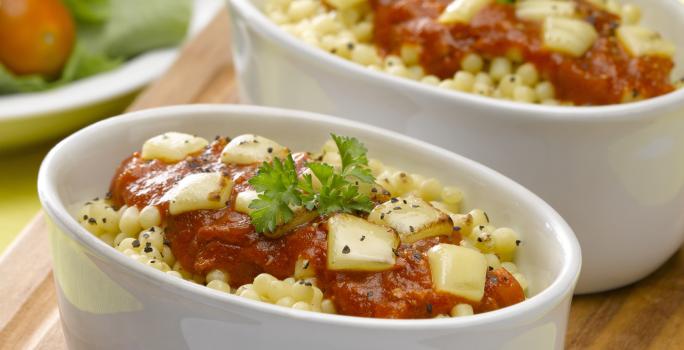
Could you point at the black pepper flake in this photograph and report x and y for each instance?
(108, 195)
(85, 217)
(136, 244)
(397, 208)
(382, 216)
(428, 308)
(395, 251)
(486, 216)
(146, 235)
(412, 229)
(481, 227)
(96, 199)
(306, 264)
(147, 249)
(308, 284)
(362, 238)
(148, 244)
(152, 229)
(405, 202)
(346, 250)
(153, 261)
(479, 239)
(369, 294)
(415, 206)
(490, 268)
(517, 242)
(186, 141)
(270, 150)
(217, 137)
(374, 190)
(92, 221)
(417, 256)
(104, 220)
(333, 50)
(167, 242)
(350, 45)
(394, 200)
(457, 228)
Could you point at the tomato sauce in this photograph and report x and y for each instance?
(204, 240)
(605, 74)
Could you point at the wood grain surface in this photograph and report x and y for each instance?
(646, 315)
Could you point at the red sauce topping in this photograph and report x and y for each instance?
(224, 239)
(605, 74)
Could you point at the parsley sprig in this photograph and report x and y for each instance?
(281, 189)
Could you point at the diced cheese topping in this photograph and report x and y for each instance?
(199, 191)
(344, 4)
(462, 11)
(356, 244)
(458, 271)
(412, 218)
(540, 9)
(640, 41)
(172, 147)
(243, 199)
(250, 149)
(569, 36)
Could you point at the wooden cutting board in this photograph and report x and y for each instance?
(647, 315)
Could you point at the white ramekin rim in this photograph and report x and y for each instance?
(498, 108)
(535, 306)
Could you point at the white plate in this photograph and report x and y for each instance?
(31, 117)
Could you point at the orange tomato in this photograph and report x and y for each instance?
(36, 36)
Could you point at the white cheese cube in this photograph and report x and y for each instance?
(462, 11)
(539, 10)
(412, 218)
(172, 147)
(640, 41)
(568, 36)
(356, 244)
(458, 271)
(243, 199)
(250, 149)
(344, 4)
(199, 191)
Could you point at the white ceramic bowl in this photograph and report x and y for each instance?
(109, 301)
(615, 173)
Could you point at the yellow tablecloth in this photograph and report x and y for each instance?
(18, 196)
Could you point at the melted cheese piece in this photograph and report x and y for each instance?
(344, 4)
(412, 218)
(458, 271)
(243, 200)
(640, 41)
(537, 10)
(250, 149)
(356, 244)
(199, 191)
(172, 147)
(462, 11)
(569, 36)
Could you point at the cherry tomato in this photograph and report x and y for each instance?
(36, 36)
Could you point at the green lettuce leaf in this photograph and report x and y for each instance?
(108, 33)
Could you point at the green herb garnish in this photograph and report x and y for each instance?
(281, 189)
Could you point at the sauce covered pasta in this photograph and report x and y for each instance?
(572, 52)
(331, 232)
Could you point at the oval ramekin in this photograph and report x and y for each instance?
(109, 301)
